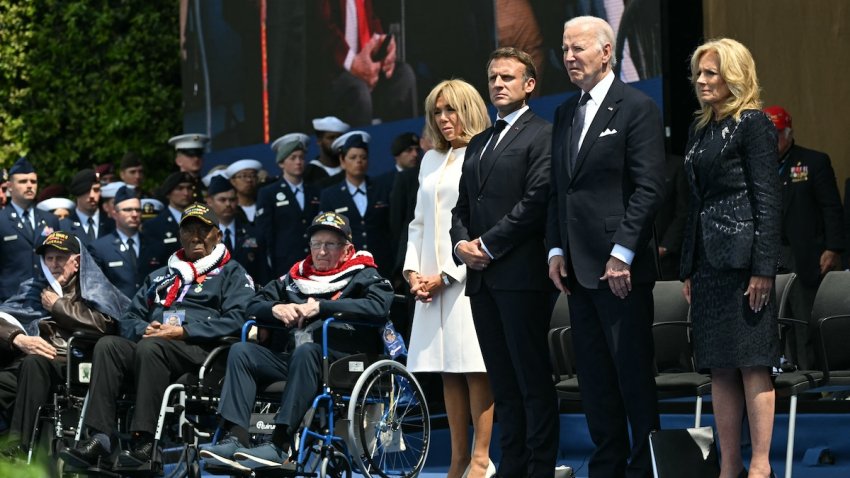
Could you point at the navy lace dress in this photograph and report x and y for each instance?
(731, 169)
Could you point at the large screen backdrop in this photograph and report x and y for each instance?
(254, 70)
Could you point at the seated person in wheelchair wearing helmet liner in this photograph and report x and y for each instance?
(332, 279)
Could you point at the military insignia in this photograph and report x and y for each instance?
(282, 203)
(260, 212)
(199, 288)
(10, 238)
(14, 215)
(77, 224)
(20, 226)
(47, 231)
(122, 248)
(280, 196)
(799, 173)
(168, 234)
(250, 242)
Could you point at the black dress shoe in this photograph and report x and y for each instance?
(744, 473)
(140, 455)
(86, 454)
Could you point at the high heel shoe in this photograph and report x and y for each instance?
(491, 470)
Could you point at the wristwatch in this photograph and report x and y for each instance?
(445, 278)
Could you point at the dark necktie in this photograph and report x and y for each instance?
(497, 130)
(90, 232)
(131, 252)
(228, 239)
(358, 191)
(578, 125)
(25, 218)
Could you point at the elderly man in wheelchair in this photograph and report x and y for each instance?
(207, 294)
(333, 279)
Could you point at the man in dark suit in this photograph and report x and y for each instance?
(286, 207)
(86, 221)
(161, 234)
(812, 229)
(22, 229)
(497, 230)
(607, 184)
(239, 235)
(364, 201)
(117, 253)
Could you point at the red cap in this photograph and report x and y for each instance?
(781, 119)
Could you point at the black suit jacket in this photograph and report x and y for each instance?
(734, 204)
(72, 224)
(503, 201)
(811, 210)
(613, 193)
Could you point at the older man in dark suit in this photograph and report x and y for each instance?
(607, 184)
(497, 231)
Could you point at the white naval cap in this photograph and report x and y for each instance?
(220, 170)
(52, 204)
(338, 143)
(189, 141)
(108, 191)
(330, 123)
(242, 165)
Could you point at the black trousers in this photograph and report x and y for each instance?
(251, 367)
(148, 367)
(511, 328)
(614, 352)
(25, 385)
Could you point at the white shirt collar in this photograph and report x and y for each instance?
(124, 237)
(177, 214)
(600, 91)
(84, 218)
(512, 117)
(352, 188)
(293, 187)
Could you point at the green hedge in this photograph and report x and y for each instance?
(83, 81)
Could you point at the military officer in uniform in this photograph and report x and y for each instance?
(286, 206)
(86, 222)
(22, 229)
(189, 157)
(364, 201)
(238, 235)
(117, 253)
(160, 234)
(328, 129)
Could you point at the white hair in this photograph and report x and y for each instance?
(604, 32)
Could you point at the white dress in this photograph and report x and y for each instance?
(442, 338)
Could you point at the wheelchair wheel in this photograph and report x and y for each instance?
(389, 422)
(335, 466)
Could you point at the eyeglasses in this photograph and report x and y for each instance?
(130, 209)
(246, 177)
(328, 246)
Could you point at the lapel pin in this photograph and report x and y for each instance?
(610, 108)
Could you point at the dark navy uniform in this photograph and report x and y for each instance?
(72, 224)
(282, 225)
(161, 238)
(371, 232)
(113, 258)
(18, 260)
(248, 251)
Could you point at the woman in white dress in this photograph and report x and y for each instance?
(443, 335)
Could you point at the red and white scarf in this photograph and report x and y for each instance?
(182, 272)
(313, 282)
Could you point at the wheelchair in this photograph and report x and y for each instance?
(371, 417)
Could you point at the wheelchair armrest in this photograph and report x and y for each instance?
(86, 336)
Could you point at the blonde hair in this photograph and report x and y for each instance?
(470, 108)
(738, 70)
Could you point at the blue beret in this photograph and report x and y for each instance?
(218, 184)
(21, 166)
(124, 193)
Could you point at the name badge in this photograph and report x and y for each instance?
(116, 264)
(10, 238)
(169, 240)
(342, 209)
(173, 317)
(282, 203)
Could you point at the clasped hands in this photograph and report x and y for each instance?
(296, 315)
(473, 254)
(164, 331)
(423, 288)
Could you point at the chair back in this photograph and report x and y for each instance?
(782, 286)
(670, 331)
(830, 330)
(561, 313)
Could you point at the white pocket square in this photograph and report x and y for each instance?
(608, 132)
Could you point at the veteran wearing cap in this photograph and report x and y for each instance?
(160, 234)
(117, 253)
(205, 293)
(244, 175)
(333, 278)
(286, 206)
(189, 157)
(22, 229)
(86, 221)
(326, 164)
(35, 325)
(364, 201)
(238, 235)
(812, 228)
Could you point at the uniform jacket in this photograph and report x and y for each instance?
(113, 259)
(282, 225)
(371, 232)
(249, 251)
(811, 210)
(614, 190)
(735, 207)
(72, 224)
(18, 260)
(504, 203)
(211, 310)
